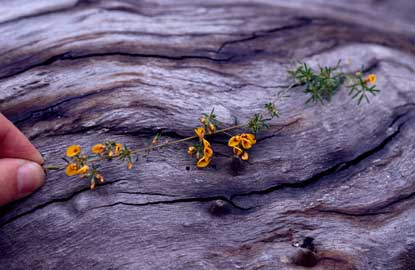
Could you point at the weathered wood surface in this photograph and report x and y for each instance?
(85, 71)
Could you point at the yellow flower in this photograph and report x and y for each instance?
(73, 150)
(246, 143)
(205, 143)
(250, 137)
(245, 139)
(71, 169)
(98, 148)
(203, 162)
(83, 170)
(238, 151)
(203, 120)
(118, 147)
(200, 132)
(207, 149)
(371, 78)
(130, 165)
(191, 150)
(110, 154)
(208, 152)
(234, 141)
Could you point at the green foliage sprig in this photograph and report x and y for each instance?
(323, 84)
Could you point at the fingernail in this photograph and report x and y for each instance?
(39, 158)
(30, 176)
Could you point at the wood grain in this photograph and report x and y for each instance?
(341, 174)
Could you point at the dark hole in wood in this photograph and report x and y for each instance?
(308, 243)
(306, 256)
(219, 208)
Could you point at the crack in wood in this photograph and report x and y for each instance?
(334, 169)
(67, 56)
(301, 22)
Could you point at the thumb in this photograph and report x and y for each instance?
(19, 178)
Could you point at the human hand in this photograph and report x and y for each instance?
(20, 170)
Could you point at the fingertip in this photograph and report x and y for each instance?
(30, 176)
(19, 178)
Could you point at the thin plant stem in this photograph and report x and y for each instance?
(149, 148)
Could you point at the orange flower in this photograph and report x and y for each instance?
(203, 162)
(207, 149)
(71, 169)
(234, 141)
(200, 132)
(245, 139)
(130, 165)
(98, 149)
(238, 151)
(118, 147)
(83, 170)
(208, 152)
(110, 154)
(250, 137)
(246, 143)
(205, 143)
(371, 78)
(73, 150)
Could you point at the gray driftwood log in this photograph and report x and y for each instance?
(341, 175)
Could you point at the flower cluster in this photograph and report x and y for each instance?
(241, 143)
(209, 122)
(202, 149)
(86, 166)
(111, 149)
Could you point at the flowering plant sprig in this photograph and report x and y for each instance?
(360, 86)
(86, 165)
(202, 149)
(321, 86)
